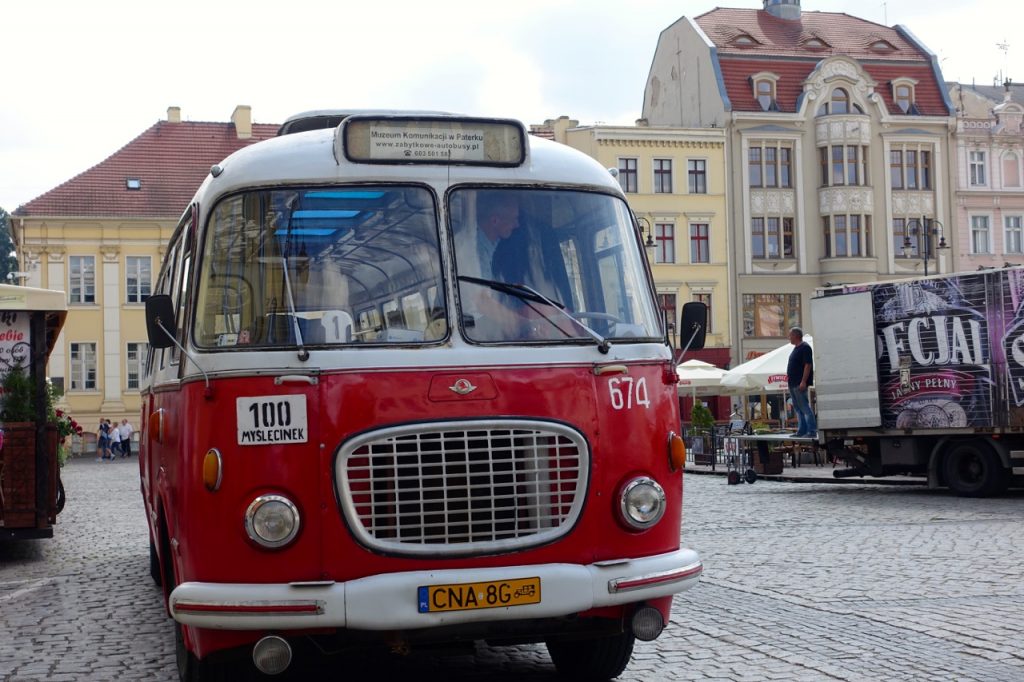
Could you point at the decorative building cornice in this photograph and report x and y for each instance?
(110, 252)
(661, 143)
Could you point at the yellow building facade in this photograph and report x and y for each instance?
(675, 182)
(101, 237)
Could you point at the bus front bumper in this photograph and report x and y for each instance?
(390, 601)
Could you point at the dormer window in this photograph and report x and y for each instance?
(903, 95)
(764, 91)
(815, 43)
(882, 46)
(744, 40)
(133, 183)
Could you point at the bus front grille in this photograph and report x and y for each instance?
(463, 487)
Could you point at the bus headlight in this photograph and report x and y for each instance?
(272, 521)
(642, 502)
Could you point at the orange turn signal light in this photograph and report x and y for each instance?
(676, 452)
(213, 470)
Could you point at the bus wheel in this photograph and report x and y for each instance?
(599, 658)
(154, 565)
(972, 469)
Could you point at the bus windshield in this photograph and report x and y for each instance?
(576, 249)
(322, 266)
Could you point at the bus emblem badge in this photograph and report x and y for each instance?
(463, 387)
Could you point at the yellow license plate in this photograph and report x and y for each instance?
(489, 595)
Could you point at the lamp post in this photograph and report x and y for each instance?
(927, 228)
(645, 230)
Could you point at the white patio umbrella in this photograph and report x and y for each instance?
(697, 377)
(765, 373)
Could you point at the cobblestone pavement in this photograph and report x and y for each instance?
(803, 581)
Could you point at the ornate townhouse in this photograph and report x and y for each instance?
(989, 174)
(101, 237)
(675, 181)
(838, 131)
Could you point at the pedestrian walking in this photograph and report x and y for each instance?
(125, 430)
(115, 440)
(102, 441)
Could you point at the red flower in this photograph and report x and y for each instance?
(60, 413)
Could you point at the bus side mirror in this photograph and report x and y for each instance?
(160, 313)
(694, 325)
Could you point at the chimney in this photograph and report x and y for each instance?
(783, 9)
(174, 114)
(241, 117)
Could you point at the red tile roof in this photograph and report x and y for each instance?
(782, 48)
(841, 33)
(170, 159)
(792, 74)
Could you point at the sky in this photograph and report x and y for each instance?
(82, 79)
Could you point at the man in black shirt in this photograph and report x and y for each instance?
(800, 374)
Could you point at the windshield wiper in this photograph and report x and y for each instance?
(303, 353)
(525, 293)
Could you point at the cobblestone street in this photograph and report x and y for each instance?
(802, 582)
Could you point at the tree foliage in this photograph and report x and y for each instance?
(8, 263)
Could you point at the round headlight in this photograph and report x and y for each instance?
(643, 502)
(272, 520)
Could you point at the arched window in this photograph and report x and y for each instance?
(840, 103)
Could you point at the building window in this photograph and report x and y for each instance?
(903, 96)
(139, 278)
(910, 168)
(770, 315)
(628, 175)
(135, 357)
(705, 298)
(785, 167)
(976, 164)
(771, 238)
(755, 167)
(1011, 170)
(663, 176)
(1012, 234)
(840, 103)
(764, 92)
(699, 248)
(82, 279)
(698, 174)
(83, 367)
(665, 238)
(844, 165)
(980, 242)
(770, 165)
(900, 235)
(847, 236)
(667, 303)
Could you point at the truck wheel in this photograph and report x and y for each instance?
(599, 658)
(972, 469)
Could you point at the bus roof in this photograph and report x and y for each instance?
(310, 158)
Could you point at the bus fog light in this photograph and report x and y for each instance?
(647, 623)
(272, 655)
(642, 502)
(272, 520)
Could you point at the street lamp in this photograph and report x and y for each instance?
(645, 229)
(927, 228)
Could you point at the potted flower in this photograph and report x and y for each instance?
(703, 424)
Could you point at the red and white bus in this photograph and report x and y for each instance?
(409, 384)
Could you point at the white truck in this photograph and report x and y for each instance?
(924, 376)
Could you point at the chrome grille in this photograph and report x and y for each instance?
(463, 487)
